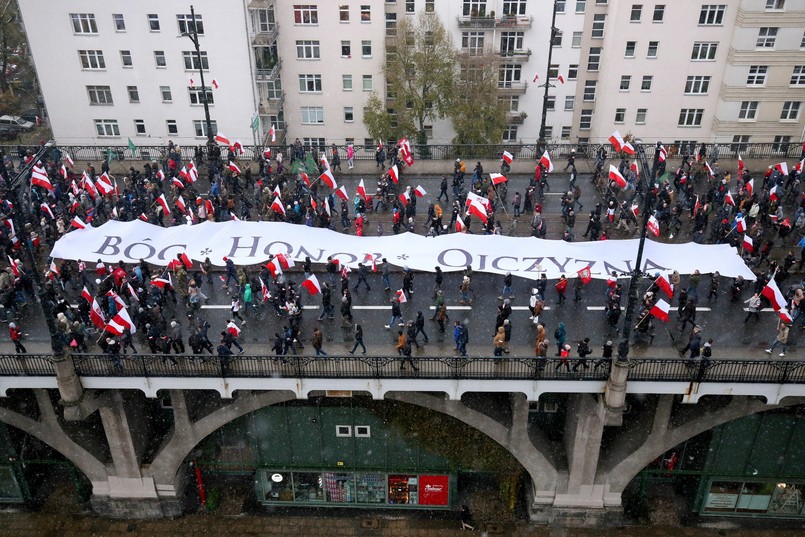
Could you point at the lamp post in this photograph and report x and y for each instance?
(70, 388)
(192, 34)
(547, 83)
(615, 393)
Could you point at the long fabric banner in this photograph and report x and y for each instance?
(250, 243)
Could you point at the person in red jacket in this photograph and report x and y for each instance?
(16, 337)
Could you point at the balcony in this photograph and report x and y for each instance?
(514, 55)
(268, 75)
(512, 88)
(517, 118)
(271, 106)
(507, 21)
(264, 39)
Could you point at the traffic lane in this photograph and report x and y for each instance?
(721, 319)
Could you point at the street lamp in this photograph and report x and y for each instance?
(547, 83)
(69, 384)
(192, 33)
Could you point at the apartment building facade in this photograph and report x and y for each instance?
(730, 72)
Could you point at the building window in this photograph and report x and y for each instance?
(586, 119)
(429, 6)
(83, 23)
(305, 14)
(637, 11)
(691, 117)
(659, 13)
(512, 103)
(410, 6)
(640, 116)
(165, 91)
(312, 115)
(367, 83)
(139, 127)
(697, 85)
(576, 40)
(310, 83)
(363, 431)
(790, 110)
(511, 42)
(391, 24)
(91, 59)
(599, 20)
(594, 59)
(107, 127)
(740, 143)
(553, 70)
(346, 82)
(263, 20)
(573, 71)
(645, 84)
(712, 14)
(652, 49)
(557, 38)
(119, 21)
(308, 50)
(134, 95)
(346, 49)
(781, 144)
(631, 46)
(566, 132)
(550, 103)
(366, 49)
(510, 133)
(757, 75)
(766, 37)
(548, 132)
(191, 61)
(626, 81)
(570, 102)
(343, 13)
(704, 51)
(125, 58)
(200, 128)
(589, 90)
(620, 115)
(366, 13)
(187, 24)
(153, 22)
(310, 143)
(748, 110)
(171, 126)
(775, 4)
(100, 95)
(159, 58)
(508, 75)
(798, 75)
(581, 6)
(477, 8)
(473, 42)
(197, 96)
(349, 115)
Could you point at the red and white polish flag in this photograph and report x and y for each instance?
(234, 168)
(420, 191)
(362, 190)
(546, 162)
(394, 174)
(120, 322)
(341, 192)
(660, 310)
(312, 285)
(615, 175)
(498, 178)
(775, 296)
(653, 225)
(748, 244)
(666, 287)
(507, 157)
(328, 179)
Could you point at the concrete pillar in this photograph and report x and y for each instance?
(615, 393)
(118, 436)
(70, 389)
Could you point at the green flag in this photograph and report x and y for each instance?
(256, 123)
(132, 147)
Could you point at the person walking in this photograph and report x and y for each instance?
(16, 337)
(419, 324)
(783, 328)
(385, 275)
(235, 309)
(583, 349)
(753, 306)
(463, 339)
(326, 302)
(362, 277)
(358, 339)
(396, 314)
(177, 337)
(464, 289)
(317, 340)
(561, 288)
(498, 342)
(564, 358)
(560, 335)
(507, 287)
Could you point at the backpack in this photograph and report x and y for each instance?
(557, 334)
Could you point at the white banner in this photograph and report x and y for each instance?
(251, 243)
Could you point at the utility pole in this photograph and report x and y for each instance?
(192, 33)
(547, 83)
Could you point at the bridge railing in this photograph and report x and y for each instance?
(392, 367)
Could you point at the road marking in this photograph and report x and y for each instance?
(764, 310)
(215, 307)
(526, 308)
(596, 308)
(453, 308)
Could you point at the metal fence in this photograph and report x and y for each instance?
(520, 151)
(388, 367)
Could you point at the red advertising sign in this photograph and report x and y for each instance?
(433, 489)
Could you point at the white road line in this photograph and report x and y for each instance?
(453, 308)
(764, 310)
(215, 307)
(595, 308)
(525, 308)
